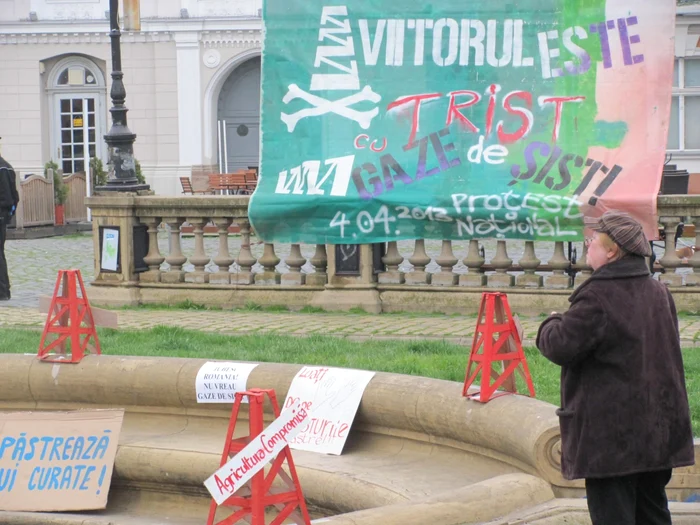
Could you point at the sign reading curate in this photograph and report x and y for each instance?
(386, 120)
(259, 452)
(57, 461)
(332, 397)
(218, 382)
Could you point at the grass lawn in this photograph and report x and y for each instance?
(421, 358)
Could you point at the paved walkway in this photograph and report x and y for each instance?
(455, 329)
(33, 265)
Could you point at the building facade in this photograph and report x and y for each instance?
(192, 76)
(194, 66)
(684, 133)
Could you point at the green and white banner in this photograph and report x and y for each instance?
(389, 120)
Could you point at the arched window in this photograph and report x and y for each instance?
(77, 96)
(76, 75)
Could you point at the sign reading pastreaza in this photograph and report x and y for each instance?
(380, 124)
(57, 461)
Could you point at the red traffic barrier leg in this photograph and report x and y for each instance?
(253, 499)
(497, 352)
(69, 333)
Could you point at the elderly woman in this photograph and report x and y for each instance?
(624, 416)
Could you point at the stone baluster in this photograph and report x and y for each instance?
(670, 261)
(392, 260)
(583, 270)
(223, 258)
(419, 260)
(245, 258)
(559, 280)
(446, 260)
(320, 263)
(502, 263)
(175, 258)
(154, 258)
(295, 261)
(269, 261)
(473, 261)
(693, 279)
(529, 263)
(199, 258)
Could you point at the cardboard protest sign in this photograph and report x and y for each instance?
(259, 452)
(332, 397)
(519, 328)
(218, 382)
(57, 461)
(100, 317)
(507, 120)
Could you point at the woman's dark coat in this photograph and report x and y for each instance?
(623, 396)
(8, 188)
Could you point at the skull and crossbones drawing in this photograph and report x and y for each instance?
(322, 106)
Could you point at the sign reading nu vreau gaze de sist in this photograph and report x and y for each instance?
(386, 120)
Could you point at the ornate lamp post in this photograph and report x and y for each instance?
(120, 140)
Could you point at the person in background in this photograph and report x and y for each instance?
(624, 416)
(9, 198)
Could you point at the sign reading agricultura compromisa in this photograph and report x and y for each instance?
(397, 120)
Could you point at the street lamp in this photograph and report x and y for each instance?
(120, 140)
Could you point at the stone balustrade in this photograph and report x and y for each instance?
(213, 257)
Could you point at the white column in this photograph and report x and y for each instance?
(86, 149)
(189, 98)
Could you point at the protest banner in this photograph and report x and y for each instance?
(57, 461)
(384, 121)
(332, 397)
(262, 449)
(218, 382)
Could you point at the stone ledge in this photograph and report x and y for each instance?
(426, 406)
(371, 297)
(518, 427)
(452, 454)
(575, 512)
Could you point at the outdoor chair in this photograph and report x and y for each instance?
(251, 180)
(236, 182)
(232, 183)
(215, 183)
(187, 187)
(222, 183)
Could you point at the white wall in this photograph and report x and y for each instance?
(46, 10)
(687, 40)
(150, 76)
(165, 75)
(14, 9)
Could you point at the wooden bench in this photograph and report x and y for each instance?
(239, 182)
(215, 184)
